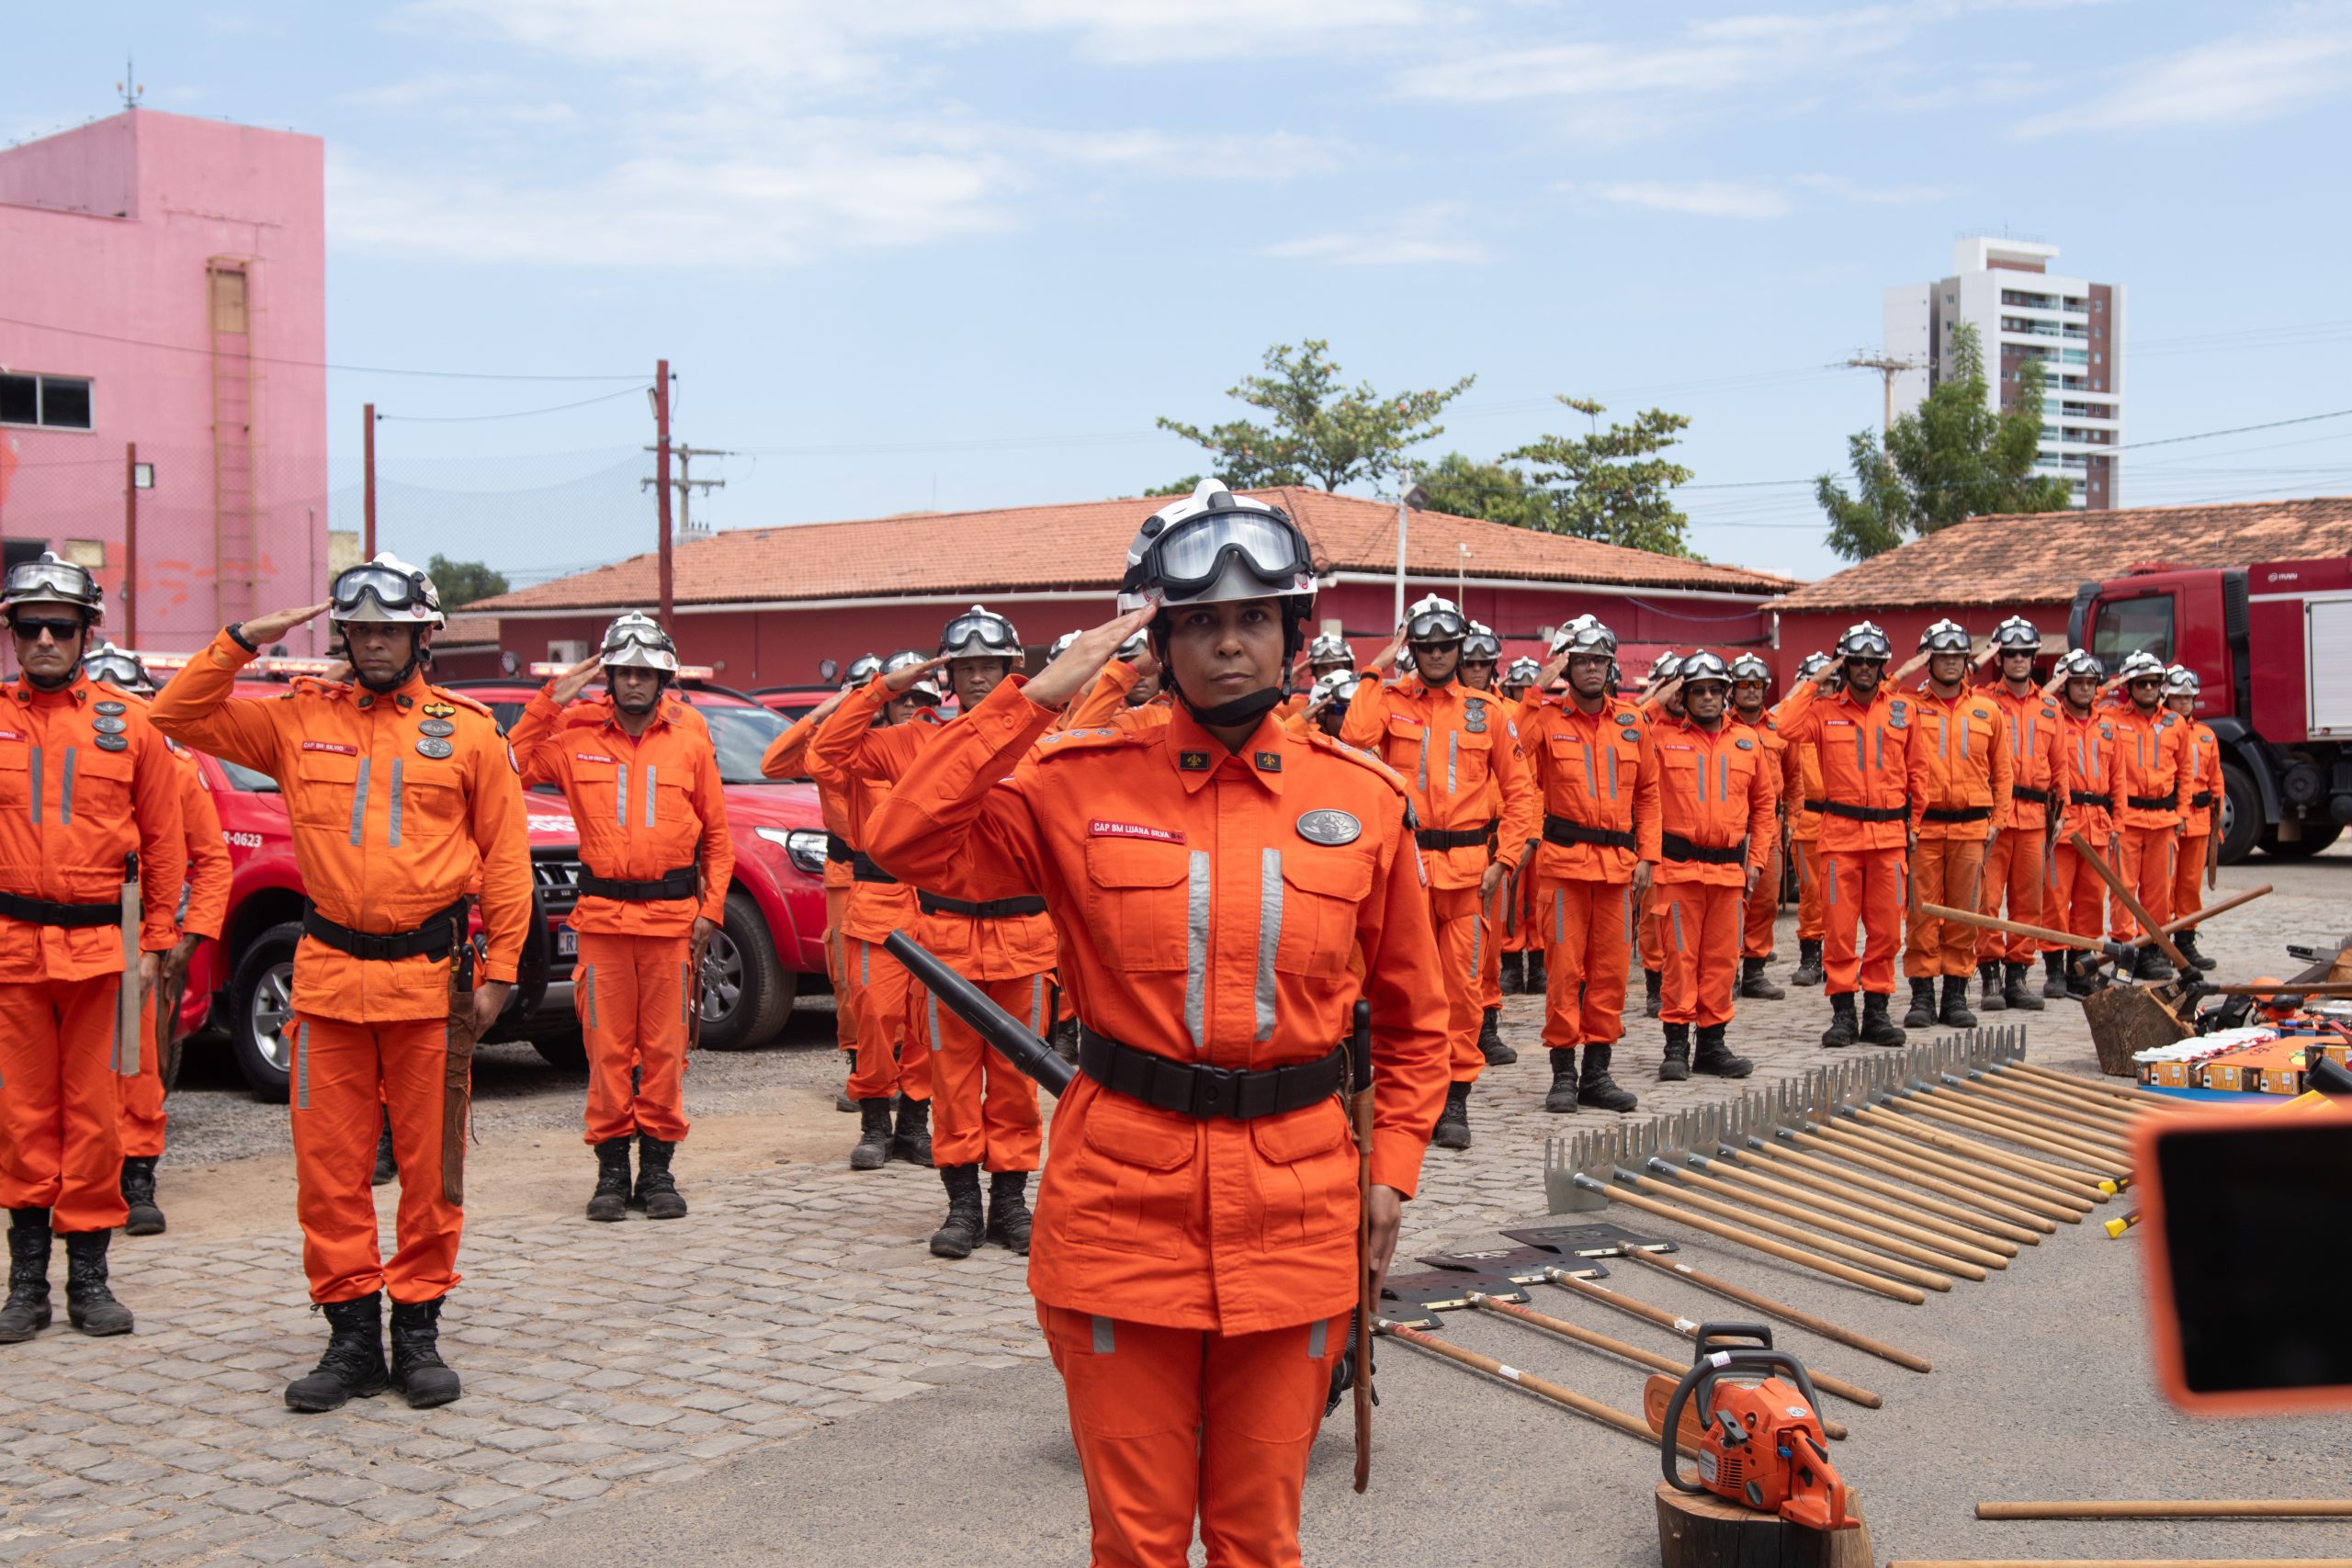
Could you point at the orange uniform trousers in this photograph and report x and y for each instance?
(2147, 870)
(1862, 894)
(1587, 932)
(1174, 1424)
(2013, 870)
(1701, 923)
(1461, 949)
(632, 993)
(891, 1059)
(142, 1095)
(61, 1101)
(844, 1015)
(1809, 917)
(346, 1077)
(2187, 876)
(1763, 907)
(984, 1109)
(2072, 901)
(1652, 931)
(1493, 943)
(1950, 872)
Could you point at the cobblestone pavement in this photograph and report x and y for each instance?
(602, 1360)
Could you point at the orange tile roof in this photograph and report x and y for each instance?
(1081, 545)
(2040, 559)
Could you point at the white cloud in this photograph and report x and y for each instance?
(1425, 236)
(1844, 189)
(2301, 54)
(1700, 199)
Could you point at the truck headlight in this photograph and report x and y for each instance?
(804, 846)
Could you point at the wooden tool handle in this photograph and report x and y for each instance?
(1765, 1245)
(2120, 1562)
(1892, 1267)
(1912, 1152)
(1782, 1309)
(2130, 899)
(2015, 928)
(1968, 1201)
(2176, 1508)
(1606, 1415)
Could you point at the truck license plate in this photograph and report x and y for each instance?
(566, 943)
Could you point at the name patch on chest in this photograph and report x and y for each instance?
(337, 747)
(592, 757)
(1103, 829)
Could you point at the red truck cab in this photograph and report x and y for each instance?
(2271, 644)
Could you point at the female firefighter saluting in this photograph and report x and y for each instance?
(1217, 885)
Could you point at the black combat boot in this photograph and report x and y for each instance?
(1514, 974)
(912, 1141)
(1991, 997)
(1714, 1058)
(960, 1231)
(353, 1367)
(1877, 1028)
(1009, 1210)
(139, 1192)
(89, 1305)
(1538, 982)
(1675, 1064)
(2152, 966)
(1650, 1002)
(424, 1379)
(873, 1134)
(657, 1189)
(2053, 982)
(1598, 1089)
(1808, 970)
(2186, 942)
(388, 1166)
(1753, 983)
(1955, 1013)
(610, 1201)
(1452, 1129)
(1841, 1029)
(2015, 992)
(1561, 1098)
(1923, 1005)
(1490, 1041)
(26, 1312)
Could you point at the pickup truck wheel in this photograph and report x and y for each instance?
(2241, 814)
(746, 990)
(261, 1011)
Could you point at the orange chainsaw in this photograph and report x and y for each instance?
(1760, 1444)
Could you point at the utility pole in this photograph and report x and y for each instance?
(1889, 367)
(367, 490)
(661, 473)
(687, 486)
(130, 544)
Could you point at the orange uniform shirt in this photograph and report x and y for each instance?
(2202, 805)
(86, 781)
(1964, 741)
(1801, 786)
(1446, 743)
(1871, 761)
(208, 867)
(387, 832)
(1766, 730)
(2153, 764)
(787, 758)
(646, 806)
(2034, 735)
(875, 908)
(2087, 773)
(1714, 794)
(1596, 771)
(1208, 905)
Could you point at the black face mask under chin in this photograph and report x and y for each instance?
(1239, 711)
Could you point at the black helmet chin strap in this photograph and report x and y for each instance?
(416, 655)
(1239, 711)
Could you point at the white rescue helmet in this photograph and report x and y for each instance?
(636, 641)
(979, 633)
(924, 689)
(385, 590)
(1214, 547)
(120, 668)
(50, 581)
(2141, 666)
(2181, 681)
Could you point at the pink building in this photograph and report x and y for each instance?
(163, 282)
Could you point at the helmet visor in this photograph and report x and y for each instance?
(1435, 625)
(979, 636)
(50, 579)
(641, 647)
(1188, 558)
(395, 593)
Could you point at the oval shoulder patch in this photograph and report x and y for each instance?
(113, 743)
(1329, 826)
(433, 746)
(1631, 734)
(1744, 744)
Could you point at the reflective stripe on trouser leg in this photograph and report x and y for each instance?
(984, 1110)
(61, 1119)
(659, 1104)
(880, 997)
(142, 1095)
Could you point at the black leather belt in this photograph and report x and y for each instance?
(2085, 797)
(863, 869)
(2153, 802)
(987, 910)
(1196, 1090)
(837, 850)
(434, 938)
(2027, 793)
(1817, 807)
(1865, 813)
(1453, 838)
(1674, 846)
(1957, 814)
(73, 916)
(1560, 831)
(681, 882)
(2201, 801)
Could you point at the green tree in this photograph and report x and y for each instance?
(1952, 457)
(463, 582)
(1610, 485)
(1184, 486)
(1318, 430)
(1463, 487)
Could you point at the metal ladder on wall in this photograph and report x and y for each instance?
(235, 448)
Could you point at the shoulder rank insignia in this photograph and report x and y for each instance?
(439, 710)
(110, 708)
(1192, 761)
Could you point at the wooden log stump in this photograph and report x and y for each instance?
(1704, 1531)
(2125, 1019)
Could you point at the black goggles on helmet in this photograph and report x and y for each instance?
(1189, 559)
(52, 579)
(992, 635)
(393, 589)
(1435, 625)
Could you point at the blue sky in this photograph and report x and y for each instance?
(952, 254)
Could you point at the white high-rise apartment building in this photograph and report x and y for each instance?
(2023, 311)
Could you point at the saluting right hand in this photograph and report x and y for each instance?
(1553, 668)
(1060, 682)
(574, 680)
(262, 631)
(897, 680)
(1826, 678)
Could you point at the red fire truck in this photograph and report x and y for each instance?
(2272, 643)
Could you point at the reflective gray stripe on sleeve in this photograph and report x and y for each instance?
(620, 793)
(359, 800)
(1317, 1334)
(65, 789)
(1105, 1336)
(393, 837)
(1270, 935)
(1196, 946)
(37, 787)
(1452, 758)
(650, 771)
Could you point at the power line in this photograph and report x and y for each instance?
(518, 413)
(313, 364)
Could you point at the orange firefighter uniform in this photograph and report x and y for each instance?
(787, 758)
(1597, 778)
(655, 853)
(1194, 1273)
(1963, 740)
(2015, 865)
(89, 795)
(1801, 778)
(984, 1111)
(2152, 779)
(1762, 906)
(1447, 742)
(2087, 775)
(1875, 781)
(1715, 822)
(206, 906)
(2200, 819)
(391, 820)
